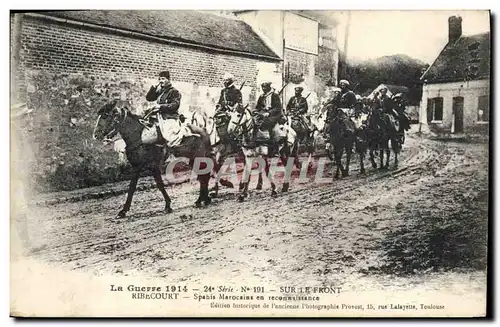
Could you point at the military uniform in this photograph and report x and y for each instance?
(400, 108)
(297, 105)
(347, 100)
(168, 98)
(270, 103)
(229, 98)
(384, 103)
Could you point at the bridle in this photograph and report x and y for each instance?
(244, 127)
(122, 112)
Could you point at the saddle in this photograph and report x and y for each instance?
(170, 131)
(296, 120)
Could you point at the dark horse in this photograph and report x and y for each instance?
(342, 137)
(114, 119)
(382, 127)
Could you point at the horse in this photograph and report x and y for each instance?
(222, 144)
(342, 138)
(202, 120)
(241, 126)
(113, 119)
(382, 127)
(305, 136)
(361, 141)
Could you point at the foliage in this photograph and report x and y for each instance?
(63, 154)
(395, 70)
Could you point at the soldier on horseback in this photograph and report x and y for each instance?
(297, 106)
(230, 96)
(343, 99)
(268, 110)
(383, 101)
(358, 107)
(168, 100)
(400, 107)
(331, 107)
(347, 97)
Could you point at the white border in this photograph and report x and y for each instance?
(199, 4)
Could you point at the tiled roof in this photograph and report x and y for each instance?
(450, 65)
(187, 26)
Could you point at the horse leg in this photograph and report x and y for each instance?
(259, 182)
(224, 182)
(372, 158)
(161, 187)
(382, 149)
(362, 153)
(215, 190)
(204, 197)
(131, 189)
(286, 184)
(204, 180)
(245, 181)
(295, 154)
(396, 148)
(242, 184)
(348, 150)
(338, 160)
(273, 186)
(388, 154)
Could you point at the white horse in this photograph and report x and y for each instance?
(241, 126)
(204, 121)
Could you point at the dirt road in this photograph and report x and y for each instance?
(425, 221)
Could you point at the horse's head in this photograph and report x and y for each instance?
(239, 120)
(319, 121)
(110, 116)
(221, 119)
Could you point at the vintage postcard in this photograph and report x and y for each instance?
(249, 163)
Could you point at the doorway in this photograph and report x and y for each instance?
(458, 113)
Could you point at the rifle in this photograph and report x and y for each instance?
(242, 84)
(356, 86)
(281, 91)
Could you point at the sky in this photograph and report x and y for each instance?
(418, 34)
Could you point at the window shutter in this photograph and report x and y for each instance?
(438, 109)
(429, 109)
(484, 106)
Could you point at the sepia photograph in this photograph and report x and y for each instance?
(250, 163)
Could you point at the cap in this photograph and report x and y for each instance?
(344, 82)
(164, 73)
(266, 83)
(299, 89)
(399, 95)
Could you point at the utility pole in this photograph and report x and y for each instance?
(346, 43)
(283, 65)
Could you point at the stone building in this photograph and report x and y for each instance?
(456, 92)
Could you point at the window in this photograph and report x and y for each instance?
(434, 109)
(483, 108)
(438, 109)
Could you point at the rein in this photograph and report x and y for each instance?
(245, 128)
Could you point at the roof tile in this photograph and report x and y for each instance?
(181, 25)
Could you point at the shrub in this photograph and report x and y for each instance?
(63, 154)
